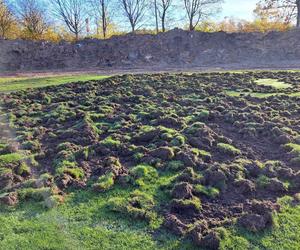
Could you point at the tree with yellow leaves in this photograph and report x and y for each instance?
(31, 18)
(286, 10)
(7, 20)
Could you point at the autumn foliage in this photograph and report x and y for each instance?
(34, 26)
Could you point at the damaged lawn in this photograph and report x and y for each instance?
(152, 161)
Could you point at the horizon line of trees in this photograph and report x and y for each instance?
(57, 20)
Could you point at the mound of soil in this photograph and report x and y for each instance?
(220, 152)
(176, 48)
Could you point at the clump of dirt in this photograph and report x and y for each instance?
(198, 157)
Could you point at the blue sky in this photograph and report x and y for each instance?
(242, 9)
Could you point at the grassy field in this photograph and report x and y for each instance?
(14, 84)
(123, 203)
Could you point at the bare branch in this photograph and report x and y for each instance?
(134, 10)
(162, 7)
(101, 14)
(72, 13)
(197, 10)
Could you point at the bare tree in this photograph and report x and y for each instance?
(101, 15)
(287, 10)
(72, 13)
(197, 10)
(31, 15)
(6, 19)
(162, 7)
(156, 16)
(135, 11)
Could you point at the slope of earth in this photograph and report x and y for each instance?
(160, 161)
(173, 49)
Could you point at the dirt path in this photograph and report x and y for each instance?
(144, 70)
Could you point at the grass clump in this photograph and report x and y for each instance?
(189, 175)
(210, 192)
(193, 204)
(178, 141)
(142, 174)
(293, 148)
(3, 146)
(195, 127)
(138, 156)
(175, 165)
(105, 182)
(70, 168)
(23, 170)
(10, 158)
(36, 194)
(111, 142)
(33, 146)
(228, 149)
(202, 115)
(4, 171)
(138, 205)
(206, 156)
(263, 181)
(76, 173)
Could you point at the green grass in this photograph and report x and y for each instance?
(228, 149)
(13, 84)
(296, 94)
(293, 147)
(273, 83)
(111, 142)
(258, 94)
(11, 79)
(10, 158)
(284, 235)
(294, 150)
(276, 84)
(105, 182)
(83, 222)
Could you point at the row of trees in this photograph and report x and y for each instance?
(67, 19)
(285, 10)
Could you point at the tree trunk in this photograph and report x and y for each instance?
(132, 28)
(103, 20)
(298, 13)
(97, 27)
(191, 28)
(156, 18)
(163, 21)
